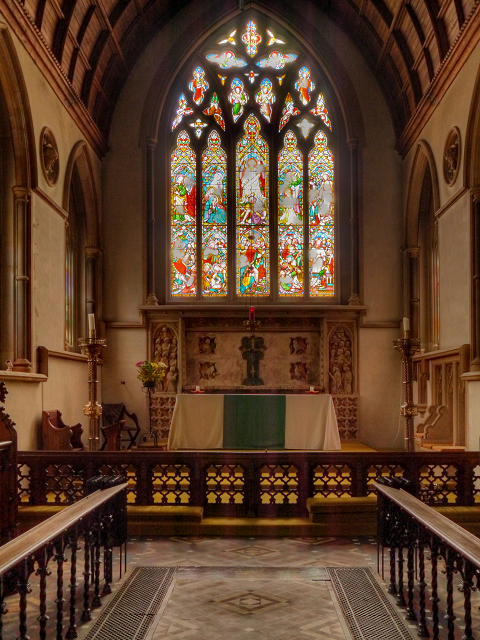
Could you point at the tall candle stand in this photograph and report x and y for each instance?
(408, 347)
(92, 347)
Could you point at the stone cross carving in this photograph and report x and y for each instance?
(252, 349)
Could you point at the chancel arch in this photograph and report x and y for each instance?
(80, 200)
(18, 175)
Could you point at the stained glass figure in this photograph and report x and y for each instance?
(288, 111)
(305, 127)
(251, 75)
(321, 218)
(237, 97)
(214, 218)
(198, 126)
(281, 79)
(252, 261)
(183, 214)
(226, 60)
(304, 85)
(290, 218)
(222, 78)
(251, 38)
(265, 98)
(321, 110)
(290, 260)
(215, 110)
(198, 85)
(230, 38)
(252, 211)
(277, 60)
(273, 39)
(182, 110)
(184, 269)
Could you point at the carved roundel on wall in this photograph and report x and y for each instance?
(451, 156)
(49, 156)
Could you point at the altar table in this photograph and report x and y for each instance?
(254, 421)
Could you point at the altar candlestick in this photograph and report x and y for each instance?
(91, 325)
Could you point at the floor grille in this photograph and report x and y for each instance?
(129, 615)
(366, 608)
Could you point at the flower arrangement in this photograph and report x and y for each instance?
(150, 373)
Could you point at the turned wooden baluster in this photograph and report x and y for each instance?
(97, 602)
(422, 630)
(43, 572)
(466, 588)
(60, 558)
(410, 615)
(400, 597)
(434, 599)
(86, 615)
(450, 558)
(73, 544)
(107, 553)
(24, 590)
(3, 608)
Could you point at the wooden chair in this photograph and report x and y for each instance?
(58, 436)
(112, 435)
(115, 413)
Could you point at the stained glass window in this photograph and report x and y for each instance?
(251, 151)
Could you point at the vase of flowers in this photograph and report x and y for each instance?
(150, 373)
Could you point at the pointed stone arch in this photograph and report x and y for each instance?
(421, 247)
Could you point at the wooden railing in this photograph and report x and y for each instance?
(8, 472)
(100, 521)
(412, 530)
(246, 484)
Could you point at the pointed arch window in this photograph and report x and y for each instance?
(252, 172)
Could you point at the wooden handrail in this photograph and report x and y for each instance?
(34, 539)
(460, 540)
(6, 444)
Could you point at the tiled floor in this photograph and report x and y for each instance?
(239, 589)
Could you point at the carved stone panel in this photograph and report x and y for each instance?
(49, 156)
(162, 411)
(165, 349)
(346, 410)
(340, 359)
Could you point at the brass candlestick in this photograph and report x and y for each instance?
(92, 347)
(408, 347)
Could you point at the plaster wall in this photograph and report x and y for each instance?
(380, 389)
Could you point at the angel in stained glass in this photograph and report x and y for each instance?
(214, 109)
(265, 98)
(198, 85)
(237, 97)
(304, 85)
(288, 111)
(182, 110)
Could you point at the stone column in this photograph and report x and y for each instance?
(412, 278)
(354, 254)
(151, 297)
(22, 279)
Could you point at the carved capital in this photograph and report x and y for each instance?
(21, 194)
(352, 144)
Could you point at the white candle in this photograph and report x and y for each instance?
(406, 325)
(312, 388)
(91, 325)
(197, 388)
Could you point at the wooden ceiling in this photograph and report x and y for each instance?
(93, 45)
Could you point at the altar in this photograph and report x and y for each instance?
(254, 421)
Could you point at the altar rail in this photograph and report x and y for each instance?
(246, 484)
(421, 538)
(100, 521)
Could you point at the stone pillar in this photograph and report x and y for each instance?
(354, 253)
(22, 279)
(151, 297)
(475, 365)
(91, 281)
